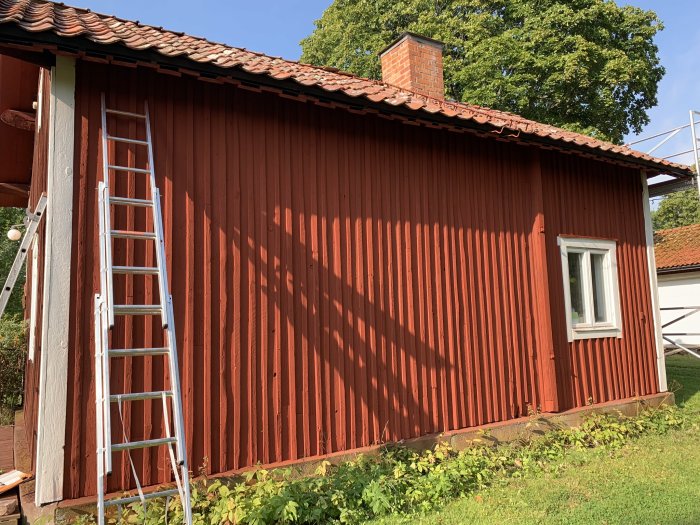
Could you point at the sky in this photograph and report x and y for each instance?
(275, 27)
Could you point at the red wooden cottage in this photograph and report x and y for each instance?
(351, 261)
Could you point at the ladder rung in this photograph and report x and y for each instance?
(126, 140)
(128, 201)
(135, 270)
(137, 309)
(124, 113)
(140, 396)
(134, 499)
(128, 168)
(138, 352)
(126, 234)
(143, 444)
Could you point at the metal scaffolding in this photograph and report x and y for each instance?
(673, 341)
(675, 183)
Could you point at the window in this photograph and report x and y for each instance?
(591, 291)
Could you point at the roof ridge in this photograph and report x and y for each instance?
(203, 39)
(330, 69)
(161, 28)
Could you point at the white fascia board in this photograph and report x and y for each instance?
(653, 285)
(53, 373)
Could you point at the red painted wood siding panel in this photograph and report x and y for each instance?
(38, 186)
(338, 279)
(17, 92)
(588, 198)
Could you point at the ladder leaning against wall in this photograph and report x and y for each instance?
(106, 310)
(32, 223)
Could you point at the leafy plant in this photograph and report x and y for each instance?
(396, 481)
(13, 350)
(681, 208)
(8, 251)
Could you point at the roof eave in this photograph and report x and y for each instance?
(40, 44)
(678, 269)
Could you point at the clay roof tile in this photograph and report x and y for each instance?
(67, 22)
(677, 248)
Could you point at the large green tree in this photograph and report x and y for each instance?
(586, 65)
(677, 209)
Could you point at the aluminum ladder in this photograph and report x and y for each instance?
(32, 224)
(105, 312)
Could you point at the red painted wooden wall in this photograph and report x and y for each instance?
(18, 89)
(38, 185)
(584, 198)
(339, 280)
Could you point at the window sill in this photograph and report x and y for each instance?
(594, 333)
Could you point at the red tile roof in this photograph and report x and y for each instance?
(677, 248)
(37, 16)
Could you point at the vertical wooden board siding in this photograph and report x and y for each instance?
(589, 198)
(338, 280)
(37, 187)
(18, 90)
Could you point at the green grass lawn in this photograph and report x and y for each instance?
(654, 480)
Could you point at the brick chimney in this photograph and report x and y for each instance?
(414, 63)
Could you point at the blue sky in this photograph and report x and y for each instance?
(275, 27)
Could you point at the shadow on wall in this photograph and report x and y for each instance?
(330, 291)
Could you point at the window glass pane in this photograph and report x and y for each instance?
(578, 309)
(598, 279)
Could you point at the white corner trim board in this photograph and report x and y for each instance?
(653, 285)
(53, 373)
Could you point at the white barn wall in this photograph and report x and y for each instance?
(680, 289)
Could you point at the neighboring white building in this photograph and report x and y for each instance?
(677, 253)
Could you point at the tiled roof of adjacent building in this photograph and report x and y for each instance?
(677, 248)
(40, 16)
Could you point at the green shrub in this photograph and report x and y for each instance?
(397, 481)
(13, 351)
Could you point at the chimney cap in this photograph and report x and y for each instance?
(415, 36)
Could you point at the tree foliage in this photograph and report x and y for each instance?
(586, 65)
(13, 352)
(677, 209)
(13, 344)
(8, 250)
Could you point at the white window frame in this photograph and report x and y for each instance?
(589, 328)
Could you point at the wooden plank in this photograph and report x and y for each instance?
(8, 506)
(12, 479)
(6, 448)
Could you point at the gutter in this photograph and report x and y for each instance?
(678, 269)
